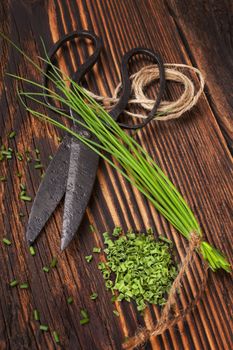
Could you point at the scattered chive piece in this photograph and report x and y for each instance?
(96, 250)
(84, 321)
(117, 230)
(13, 283)
(2, 178)
(25, 198)
(70, 300)
(19, 175)
(116, 313)
(53, 263)
(32, 250)
(38, 166)
(23, 187)
(165, 239)
(56, 337)
(114, 298)
(21, 215)
(149, 231)
(88, 258)
(6, 241)
(92, 228)
(36, 315)
(44, 327)
(50, 157)
(45, 269)
(84, 313)
(24, 286)
(12, 134)
(59, 139)
(94, 296)
(85, 317)
(19, 156)
(37, 151)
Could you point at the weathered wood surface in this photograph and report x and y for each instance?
(194, 151)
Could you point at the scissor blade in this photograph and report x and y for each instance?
(50, 192)
(80, 181)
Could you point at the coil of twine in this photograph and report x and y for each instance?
(168, 110)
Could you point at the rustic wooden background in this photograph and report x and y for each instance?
(195, 151)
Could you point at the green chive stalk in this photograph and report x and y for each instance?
(133, 162)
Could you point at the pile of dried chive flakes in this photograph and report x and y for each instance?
(138, 267)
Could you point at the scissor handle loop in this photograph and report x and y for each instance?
(83, 68)
(126, 86)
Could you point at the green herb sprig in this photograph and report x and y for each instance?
(134, 163)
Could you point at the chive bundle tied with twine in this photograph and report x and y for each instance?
(137, 166)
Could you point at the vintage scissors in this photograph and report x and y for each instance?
(72, 171)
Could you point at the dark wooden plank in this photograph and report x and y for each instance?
(206, 30)
(192, 151)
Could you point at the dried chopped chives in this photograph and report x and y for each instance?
(23, 186)
(37, 151)
(85, 317)
(56, 337)
(165, 239)
(116, 313)
(24, 286)
(70, 300)
(14, 283)
(44, 327)
(6, 241)
(92, 228)
(32, 250)
(53, 263)
(96, 250)
(36, 315)
(88, 258)
(45, 269)
(84, 321)
(2, 178)
(50, 157)
(19, 156)
(12, 134)
(25, 198)
(19, 175)
(84, 313)
(38, 166)
(93, 296)
(21, 215)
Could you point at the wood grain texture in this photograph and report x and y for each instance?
(194, 151)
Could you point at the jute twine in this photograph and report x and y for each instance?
(168, 109)
(167, 318)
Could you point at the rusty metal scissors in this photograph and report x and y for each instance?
(72, 171)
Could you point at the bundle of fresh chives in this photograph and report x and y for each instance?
(135, 164)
